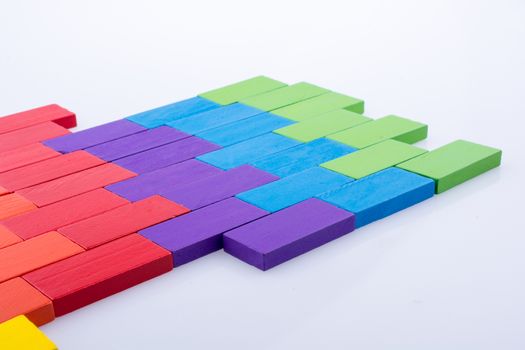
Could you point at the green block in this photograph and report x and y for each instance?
(454, 163)
(322, 125)
(389, 127)
(321, 104)
(241, 90)
(373, 159)
(284, 96)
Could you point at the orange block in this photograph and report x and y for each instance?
(14, 204)
(7, 237)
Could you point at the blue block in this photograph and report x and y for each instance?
(381, 194)
(165, 114)
(247, 151)
(214, 118)
(245, 129)
(293, 189)
(302, 157)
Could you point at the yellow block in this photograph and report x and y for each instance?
(20, 334)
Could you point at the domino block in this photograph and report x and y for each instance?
(72, 185)
(381, 194)
(25, 155)
(26, 136)
(34, 253)
(166, 155)
(248, 151)
(50, 113)
(293, 189)
(7, 238)
(100, 272)
(323, 125)
(318, 105)
(454, 163)
(389, 127)
(374, 158)
(215, 188)
(14, 204)
(119, 222)
(136, 143)
(152, 183)
(94, 136)
(21, 334)
(199, 233)
(21, 298)
(235, 92)
(288, 233)
(51, 217)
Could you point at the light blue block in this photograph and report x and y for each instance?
(165, 114)
(247, 151)
(214, 118)
(293, 189)
(244, 129)
(381, 194)
(302, 157)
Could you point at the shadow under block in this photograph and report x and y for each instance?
(381, 194)
(323, 125)
(215, 188)
(235, 92)
(199, 233)
(51, 217)
(94, 136)
(389, 127)
(374, 158)
(21, 334)
(288, 233)
(100, 272)
(248, 151)
(21, 298)
(166, 155)
(318, 105)
(14, 204)
(50, 113)
(165, 114)
(119, 222)
(26, 155)
(34, 133)
(455, 163)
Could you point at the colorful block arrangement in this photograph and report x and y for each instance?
(264, 170)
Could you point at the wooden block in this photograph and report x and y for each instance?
(47, 170)
(35, 133)
(199, 232)
(72, 185)
(119, 222)
(21, 298)
(318, 105)
(100, 272)
(241, 90)
(381, 194)
(51, 217)
(373, 159)
(25, 155)
(21, 334)
(248, 151)
(323, 125)
(454, 163)
(389, 127)
(8, 238)
(3, 191)
(284, 96)
(14, 204)
(283, 235)
(50, 113)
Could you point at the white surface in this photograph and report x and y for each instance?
(446, 274)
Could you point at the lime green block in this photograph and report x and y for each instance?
(284, 96)
(454, 163)
(389, 127)
(322, 125)
(241, 90)
(321, 104)
(373, 159)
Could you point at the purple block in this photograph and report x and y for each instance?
(148, 184)
(169, 154)
(199, 232)
(288, 233)
(212, 189)
(94, 136)
(137, 143)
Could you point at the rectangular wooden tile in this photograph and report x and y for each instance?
(21, 334)
(35, 133)
(14, 204)
(25, 155)
(7, 238)
(3, 191)
(50, 113)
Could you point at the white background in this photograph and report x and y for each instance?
(446, 274)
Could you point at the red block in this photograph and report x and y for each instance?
(34, 133)
(3, 191)
(50, 113)
(25, 155)
(98, 273)
(8, 238)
